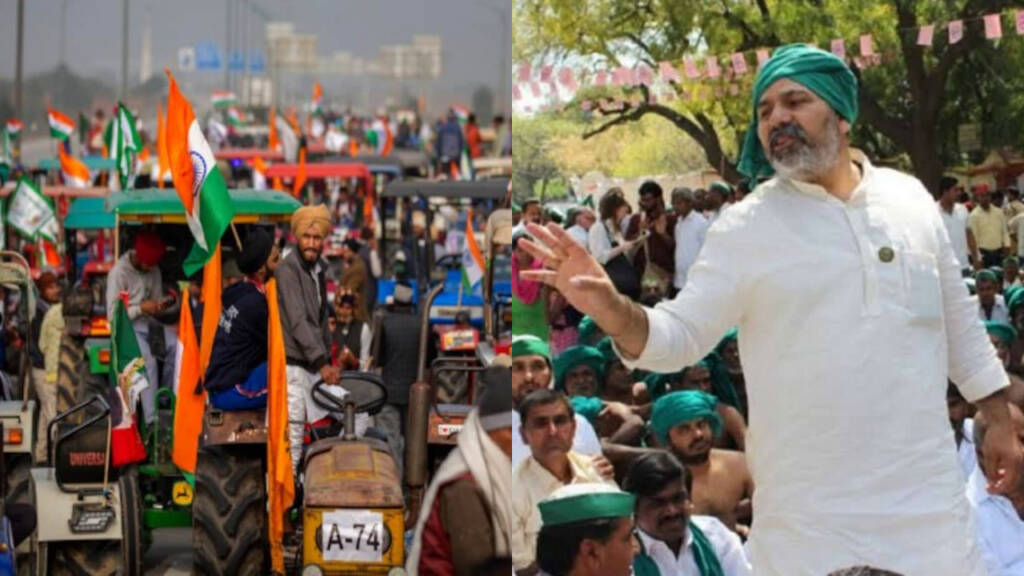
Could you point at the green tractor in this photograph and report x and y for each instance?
(165, 497)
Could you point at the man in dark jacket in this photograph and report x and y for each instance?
(237, 376)
(304, 310)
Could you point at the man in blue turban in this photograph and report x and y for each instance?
(829, 249)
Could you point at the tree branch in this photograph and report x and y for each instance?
(622, 118)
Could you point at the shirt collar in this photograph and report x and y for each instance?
(650, 542)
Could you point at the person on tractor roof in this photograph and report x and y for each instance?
(237, 376)
(304, 311)
(137, 274)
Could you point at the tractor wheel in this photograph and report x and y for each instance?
(72, 353)
(19, 479)
(89, 558)
(229, 519)
(131, 523)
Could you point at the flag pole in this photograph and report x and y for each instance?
(234, 232)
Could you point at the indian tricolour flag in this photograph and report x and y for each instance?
(200, 185)
(318, 98)
(61, 126)
(235, 116)
(14, 127)
(75, 173)
(472, 258)
(222, 98)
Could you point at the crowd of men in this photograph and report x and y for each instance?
(619, 468)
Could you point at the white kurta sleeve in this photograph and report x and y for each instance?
(683, 330)
(973, 365)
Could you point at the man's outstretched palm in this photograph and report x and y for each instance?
(569, 269)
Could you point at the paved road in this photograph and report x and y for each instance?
(170, 554)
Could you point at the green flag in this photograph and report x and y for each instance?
(123, 144)
(124, 347)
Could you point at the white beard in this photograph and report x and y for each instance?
(808, 162)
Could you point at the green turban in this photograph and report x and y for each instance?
(587, 406)
(659, 384)
(821, 72)
(998, 271)
(1009, 261)
(588, 330)
(730, 336)
(721, 187)
(682, 407)
(1016, 300)
(1001, 330)
(573, 357)
(529, 345)
(604, 346)
(985, 275)
(1012, 291)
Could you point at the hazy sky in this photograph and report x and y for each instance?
(470, 31)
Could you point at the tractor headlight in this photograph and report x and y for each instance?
(312, 570)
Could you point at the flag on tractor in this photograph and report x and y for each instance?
(300, 175)
(318, 98)
(30, 213)
(83, 128)
(200, 185)
(123, 144)
(472, 258)
(14, 127)
(190, 395)
(61, 126)
(129, 375)
(281, 489)
(74, 171)
(259, 173)
(222, 98)
(236, 117)
(272, 141)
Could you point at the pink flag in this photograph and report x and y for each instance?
(956, 31)
(762, 56)
(713, 70)
(601, 79)
(993, 26)
(535, 88)
(629, 76)
(866, 49)
(516, 93)
(1019, 17)
(545, 73)
(644, 75)
(564, 76)
(925, 35)
(739, 63)
(668, 72)
(839, 48)
(691, 68)
(524, 72)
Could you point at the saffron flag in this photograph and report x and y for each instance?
(272, 141)
(281, 487)
(472, 257)
(300, 177)
(200, 185)
(73, 170)
(188, 406)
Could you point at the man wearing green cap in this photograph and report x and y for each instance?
(686, 423)
(531, 370)
(587, 531)
(842, 280)
(991, 304)
(579, 372)
(1003, 336)
(719, 198)
(698, 377)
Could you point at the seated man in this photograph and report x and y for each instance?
(588, 531)
(991, 305)
(531, 370)
(698, 377)
(672, 541)
(548, 428)
(1003, 336)
(998, 518)
(237, 376)
(686, 423)
(579, 371)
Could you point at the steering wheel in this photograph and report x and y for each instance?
(449, 262)
(365, 390)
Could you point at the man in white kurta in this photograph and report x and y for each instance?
(852, 312)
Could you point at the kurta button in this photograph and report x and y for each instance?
(885, 254)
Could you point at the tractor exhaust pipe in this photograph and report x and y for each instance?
(419, 414)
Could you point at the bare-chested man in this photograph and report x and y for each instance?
(686, 423)
(698, 377)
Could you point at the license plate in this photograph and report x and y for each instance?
(352, 536)
(445, 430)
